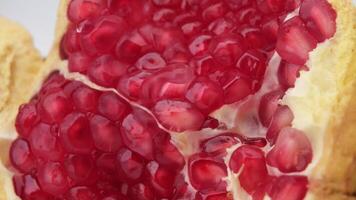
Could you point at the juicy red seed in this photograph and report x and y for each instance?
(141, 191)
(130, 47)
(151, 61)
(218, 144)
(130, 165)
(106, 71)
(167, 154)
(162, 179)
(198, 170)
(200, 44)
(75, 135)
(105, 34)
(105, 134)
(283, 117)
(169, 112)
(205, 95)
(237, 90)
(130, 84)
(253, 64)
(44, 143)
(292, 152)
(79, 62)
(85, 99)
(252, 162)
(227, 49)
(81, 193)
(288, 74)
(79, 10)
(27, 186)
(289, 187)
(295, 42)
(173, 82)
(112, 106)
(80, 168)
(54, 107)
(319, 17)
(268, 106)
(53, 178)
(26, 119)
(137, 136)
(21, 156)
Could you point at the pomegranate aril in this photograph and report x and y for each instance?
(249, 162)
(54, 107)
(288, 74)
(198, 170)
(166, 153)
(252, 64)
(79, 62)
(162, 179)
(21, 156)
(151, 61)
(271, 6)
(227, 49)
(268, 106)
(137, 136)
(79, 10)
(75, 134)
(81, 169)
(141, 191)
(218, 144)
(237, 89)
(70, 41)
(319, 17)
(283, 117)
(45, 144)
(106, 71)
(205, 95)
(26, 119)
(173, 82)
(295, 42)
(85, 99)
(200, 45)
(53, 179)
(130, 84)
(106, 135)
(131, 46)
(81, 193)
(28, 188)
(289, 188)
(214, 11)
(178, 116)
(130, 165)
(104, 36)
(292, 151)
(112, 106)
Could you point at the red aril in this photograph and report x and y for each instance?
(319, 17)
(295, 42)
(21, 156)
(292, 151)
(249, 162)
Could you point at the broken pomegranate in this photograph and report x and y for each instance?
(145, 125)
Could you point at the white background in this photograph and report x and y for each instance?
(38, 16)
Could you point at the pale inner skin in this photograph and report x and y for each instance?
(312, 102)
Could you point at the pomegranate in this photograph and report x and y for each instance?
(143, 108)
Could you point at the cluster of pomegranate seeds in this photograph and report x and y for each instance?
(172, 64)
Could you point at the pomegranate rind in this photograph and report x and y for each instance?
(339, 124)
